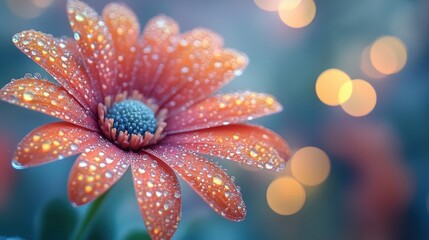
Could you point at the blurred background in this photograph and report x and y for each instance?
(353, 77)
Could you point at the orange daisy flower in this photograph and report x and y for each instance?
(145, 102)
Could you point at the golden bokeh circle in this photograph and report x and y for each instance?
(285, 196)
(268, 5)
(328, 86)
(297, 14)
(388, 55)
(363, 99)
(310, 165)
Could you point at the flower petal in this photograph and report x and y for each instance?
(95, 171)
(153, 53)
(221, 68)
(158, 195)
(206, 178)
(52, 141)
(223, 110)
(95, 44)
(246, 144)
(190, 54)
(125, 30)
(55, 56)
(48, 98)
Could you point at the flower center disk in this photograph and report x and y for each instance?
(131, 122)
(133, 117)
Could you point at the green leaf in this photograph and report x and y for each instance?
(57, 220)
(138, 235)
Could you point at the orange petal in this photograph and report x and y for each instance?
(48, 98)
(125, 30)
(223, 110)
(158, 195)
(246, 144)
(190, 54)
(55, 56)
(95, 171)
(52, 141)
(221, 68)
(153, 52)
(206, 178)
(95, 45)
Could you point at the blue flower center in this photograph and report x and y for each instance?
(132, 116)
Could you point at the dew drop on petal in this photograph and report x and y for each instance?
(177, 194)
(76, 36)
(28, 96)
(217, 180)
(83, 164)
(17, 165)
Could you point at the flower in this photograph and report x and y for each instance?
(144, 102)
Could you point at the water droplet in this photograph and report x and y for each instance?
(185, 70)
(238, 72)
(217, 180)
(268, 166)
(253, 153)
(76, 36)
(36, 138)
(177, 194)
(217, 64)
(79, 18)
(46, 146)
(28, 96)
(83, 164)
(15, 38)
(17, 165)
(167, 205)
(88, 188)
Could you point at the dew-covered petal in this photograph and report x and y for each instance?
(125, 30)
(154, 52)
(206, 178)
(223, 109)
(48, 98)
(218, 70)
(190, 56)
(158, 195)
(95, 171)
(95, 45)
(247, 144)
(55, 56)
(51, 142)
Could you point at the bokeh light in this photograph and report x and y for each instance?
(388, 55)
(23, 9)
(310, 166)
(285, 196)
(328, 87)
(268, 5)
(363, 99)
(367, 67)
(42, 3)
(28, 8)
(297, 14)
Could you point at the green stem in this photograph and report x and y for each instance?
(82, 228)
